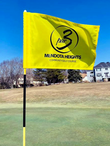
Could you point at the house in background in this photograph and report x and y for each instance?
(90, 76)
(101, 72)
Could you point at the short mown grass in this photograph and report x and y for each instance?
(56, 127)
(57, 115)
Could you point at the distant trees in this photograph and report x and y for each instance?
(54, 76)
(49, 75)
(4, 75)
(10, 72)
(57, 75)
(29, 76)
(39, 75)
(16, 69)
(74, 75)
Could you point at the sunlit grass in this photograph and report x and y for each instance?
(56, 127)
(57, 115)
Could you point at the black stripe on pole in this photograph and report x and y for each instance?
(24, 102)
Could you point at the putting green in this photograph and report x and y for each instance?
(55, 126)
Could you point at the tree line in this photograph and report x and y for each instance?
(12, 70)
(57, 75)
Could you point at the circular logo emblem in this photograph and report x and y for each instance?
(64, 39)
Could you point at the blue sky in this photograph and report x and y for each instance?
(95, 12)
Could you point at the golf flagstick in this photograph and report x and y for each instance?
(24, 109)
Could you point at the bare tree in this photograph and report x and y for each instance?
(4, 74)
(29, 76)
(10, 72)
(16, 69)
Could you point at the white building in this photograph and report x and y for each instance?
(90, 76)
(101, 72)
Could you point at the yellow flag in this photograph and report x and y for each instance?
(54, 43)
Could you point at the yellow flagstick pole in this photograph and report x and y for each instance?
(24, 95)
(24, 109)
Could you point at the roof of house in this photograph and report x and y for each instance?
(103, 65)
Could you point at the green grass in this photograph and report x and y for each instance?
(55, 126)
(57, 115)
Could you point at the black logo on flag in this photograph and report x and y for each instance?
(64, 39)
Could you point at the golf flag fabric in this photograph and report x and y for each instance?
(54, 43)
